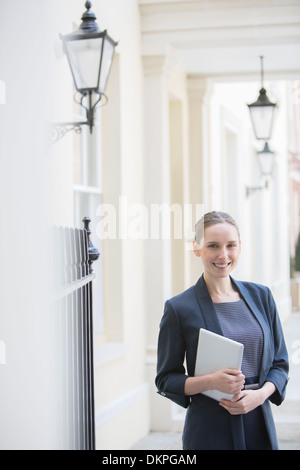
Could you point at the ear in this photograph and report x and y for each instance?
(196, 249)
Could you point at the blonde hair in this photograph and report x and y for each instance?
(212, 218)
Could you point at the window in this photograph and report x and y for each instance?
(88, 190)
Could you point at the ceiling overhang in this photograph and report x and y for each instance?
(223, 39)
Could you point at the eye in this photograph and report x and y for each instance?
(212, 245)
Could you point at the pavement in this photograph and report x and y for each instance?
(286, 416)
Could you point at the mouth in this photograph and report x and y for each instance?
(221, 266)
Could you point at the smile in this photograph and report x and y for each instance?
(222, 265)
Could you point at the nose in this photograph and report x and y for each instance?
(223, 253)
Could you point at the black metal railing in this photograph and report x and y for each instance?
(74, 255)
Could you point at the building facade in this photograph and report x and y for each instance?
(173, 141)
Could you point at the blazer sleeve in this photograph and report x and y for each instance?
(171, 374)
(278, 372)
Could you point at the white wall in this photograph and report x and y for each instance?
(27, 392)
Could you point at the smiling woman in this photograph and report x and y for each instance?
(241, 311)
(217, 242)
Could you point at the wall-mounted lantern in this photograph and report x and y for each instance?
(266, 159)
(262, 112)
(90, 52)
(262, 117)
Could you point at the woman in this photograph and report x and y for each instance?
(243, 311)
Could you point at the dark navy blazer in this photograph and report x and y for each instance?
(207, 423)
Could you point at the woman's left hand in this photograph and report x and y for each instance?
(243, 402)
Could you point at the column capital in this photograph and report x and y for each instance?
(160, 63)
(200, 88)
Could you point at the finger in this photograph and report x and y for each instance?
(224, 401)
(232, 372)
(237, 397)
(226, 406)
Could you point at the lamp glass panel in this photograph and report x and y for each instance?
(84, 56)
(262, 119)
(108, 53)
(266, 162)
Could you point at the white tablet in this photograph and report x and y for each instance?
(215, 352)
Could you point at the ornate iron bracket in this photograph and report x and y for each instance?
(60, 129)
(253, 189)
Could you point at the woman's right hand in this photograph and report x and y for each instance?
(228, 381)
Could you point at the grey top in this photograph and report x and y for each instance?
(238, 323)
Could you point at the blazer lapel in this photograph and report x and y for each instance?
(207, 307)
(259, 317)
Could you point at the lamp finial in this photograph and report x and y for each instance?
(89, 19)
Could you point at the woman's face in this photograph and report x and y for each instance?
(219, 250)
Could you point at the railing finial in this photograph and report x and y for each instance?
(93, 251)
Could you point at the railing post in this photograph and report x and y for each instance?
(93, 255)
(93, 251)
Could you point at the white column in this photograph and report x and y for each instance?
(199, 191)
(158, 251)
(199, 93)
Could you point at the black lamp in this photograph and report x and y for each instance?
(266, 160)
(90, 52)
(262, 112)
(266, 163)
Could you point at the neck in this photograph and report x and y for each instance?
(217, 285)
(220, 289)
